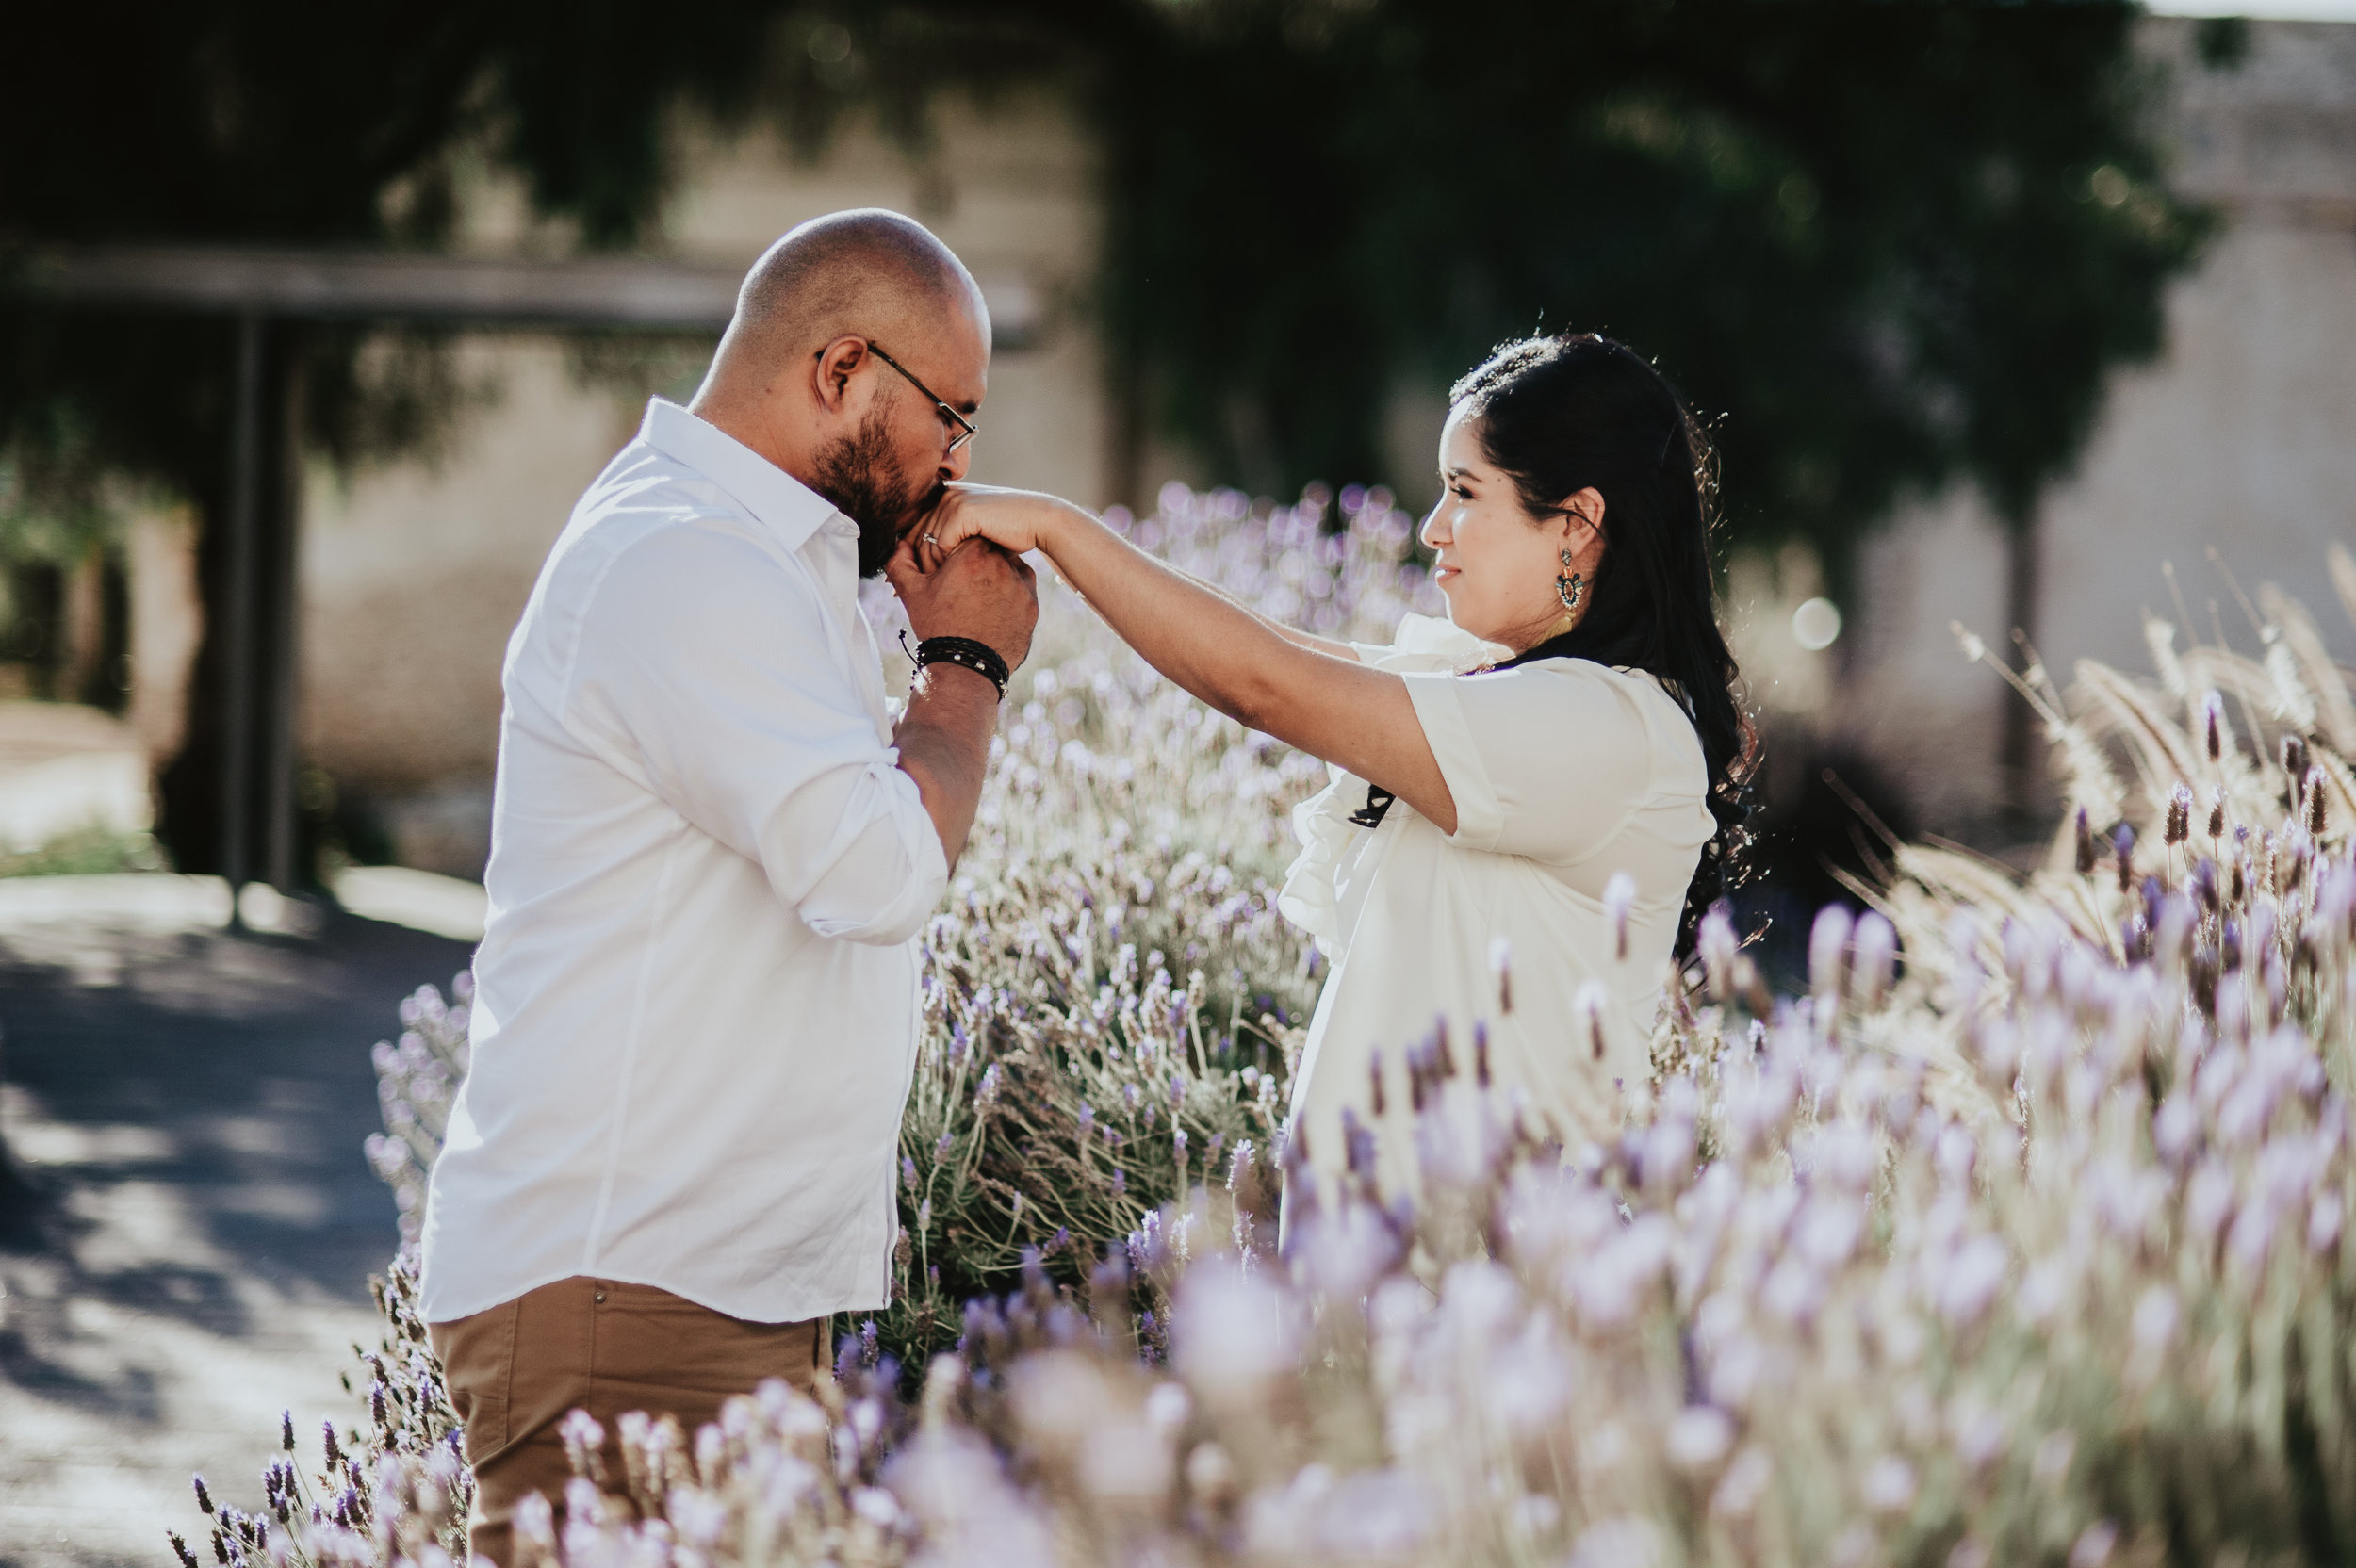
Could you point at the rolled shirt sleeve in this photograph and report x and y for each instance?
(1546, 759)
(706, 670)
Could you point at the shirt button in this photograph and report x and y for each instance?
(600, 1298)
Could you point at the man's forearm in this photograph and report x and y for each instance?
(944, 737)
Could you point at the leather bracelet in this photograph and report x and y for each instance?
(967, 654)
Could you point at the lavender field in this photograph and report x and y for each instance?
(2020, 1237)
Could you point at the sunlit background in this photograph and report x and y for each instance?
(2036, 319)
(1996, 320)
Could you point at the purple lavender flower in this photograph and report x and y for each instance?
(1619, 899)
(1501, 966)
(1889, 1485)
(1588, 1005)
(1876, 957)
(2178, 824)
(1972, 1279)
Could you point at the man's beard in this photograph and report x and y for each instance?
(865, 484)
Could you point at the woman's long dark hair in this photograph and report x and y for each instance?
(1563, 413)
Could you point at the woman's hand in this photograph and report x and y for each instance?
(1314, 695)
(1017, 521)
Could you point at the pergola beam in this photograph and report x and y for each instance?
(625, 292)
(255, 287)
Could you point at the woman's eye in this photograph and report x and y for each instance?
(1462, 494)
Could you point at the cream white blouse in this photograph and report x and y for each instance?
(1563, 773)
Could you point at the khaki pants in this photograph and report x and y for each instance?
(514, 1370)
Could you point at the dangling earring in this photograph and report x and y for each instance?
(1572, 586)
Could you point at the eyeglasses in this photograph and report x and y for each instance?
(966, 429)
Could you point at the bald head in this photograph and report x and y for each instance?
(867, 271)
(836, 328)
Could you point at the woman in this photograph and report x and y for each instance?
(1553, 772)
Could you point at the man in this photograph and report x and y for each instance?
(695, 1016)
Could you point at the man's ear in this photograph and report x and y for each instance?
(838, 362)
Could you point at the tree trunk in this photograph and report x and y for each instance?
(83, 627)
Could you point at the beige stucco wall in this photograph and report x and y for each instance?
(413, 575)
(2241, 438)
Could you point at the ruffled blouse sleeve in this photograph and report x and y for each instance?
(1549, 760)
(1310, 897)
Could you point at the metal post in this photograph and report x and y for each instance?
(277, 746)
(245, 484)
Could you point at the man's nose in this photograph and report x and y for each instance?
(953, 467)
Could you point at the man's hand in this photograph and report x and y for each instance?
(979, 592)
(944, 735)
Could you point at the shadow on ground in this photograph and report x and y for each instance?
(186, 1223)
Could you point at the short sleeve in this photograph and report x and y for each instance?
(1549, 760)
(705, 669)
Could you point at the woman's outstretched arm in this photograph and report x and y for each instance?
(1284, 683)
(1292, 634)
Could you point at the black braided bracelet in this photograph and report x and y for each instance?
(966, 654)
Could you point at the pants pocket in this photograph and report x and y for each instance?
(478, 1356)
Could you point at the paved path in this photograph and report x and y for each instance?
(185, 1242)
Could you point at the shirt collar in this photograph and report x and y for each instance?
(787, 506)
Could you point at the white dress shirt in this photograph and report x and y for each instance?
(1563, 773)
(694, 1016)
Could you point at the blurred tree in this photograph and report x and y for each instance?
(1882, 246)
(1885, 245)
(266, 122)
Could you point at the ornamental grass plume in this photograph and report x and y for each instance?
(2020, 1237)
